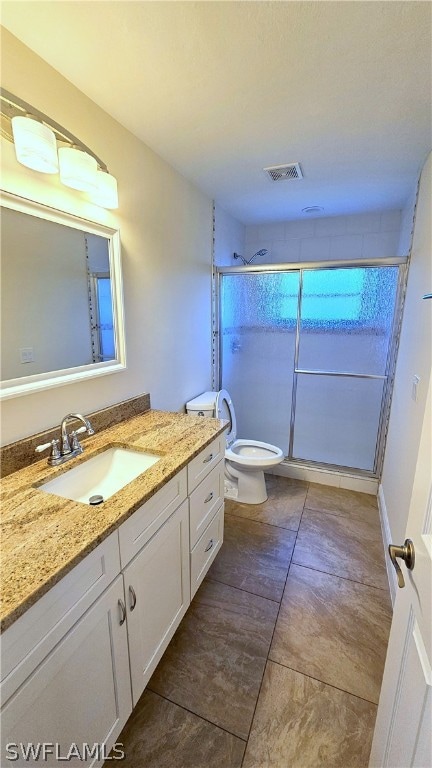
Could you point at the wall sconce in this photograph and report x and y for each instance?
(45, 146)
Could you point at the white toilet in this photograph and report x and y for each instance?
(245, 460)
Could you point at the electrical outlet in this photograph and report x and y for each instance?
(26, 355)
(414, 387)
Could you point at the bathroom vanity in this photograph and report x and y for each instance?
(93, 595)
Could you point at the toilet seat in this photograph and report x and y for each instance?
(253, 454)
(224, 409)
(246, 453)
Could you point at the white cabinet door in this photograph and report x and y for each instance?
(80, 694)
(157, 588)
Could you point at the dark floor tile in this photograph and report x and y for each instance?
(340, 501)
(346, 547)
(334, 630)
(302, 723)
(215, 661)
(254, 557)
(283, 507)
(160, 734)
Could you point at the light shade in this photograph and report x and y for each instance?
(35, 145)
(106, 194)
(77, 169)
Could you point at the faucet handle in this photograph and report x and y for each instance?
(80, 430)
(75, 444)
(55, 450)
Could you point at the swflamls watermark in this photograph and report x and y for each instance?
(45, 750)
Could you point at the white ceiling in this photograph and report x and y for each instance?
(222, 89)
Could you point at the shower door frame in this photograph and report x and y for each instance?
(387, 377)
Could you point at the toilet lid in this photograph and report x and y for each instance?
(225, 410)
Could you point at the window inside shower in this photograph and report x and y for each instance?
(306, 354)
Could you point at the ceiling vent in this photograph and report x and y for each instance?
(284, 172)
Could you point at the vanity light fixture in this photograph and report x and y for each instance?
(106, 193)
(77, 169)
(43, 145)
(35, 144)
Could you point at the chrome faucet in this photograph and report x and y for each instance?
(67, 446)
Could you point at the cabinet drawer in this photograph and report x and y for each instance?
(144, 523)
(202, 464)
(205, 501)
(206, 550)
(34, 635)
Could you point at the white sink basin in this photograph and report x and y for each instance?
(102, 475)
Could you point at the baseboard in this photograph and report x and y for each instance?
(326, 477)
(386, 536)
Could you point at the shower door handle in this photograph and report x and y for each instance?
(406, 553)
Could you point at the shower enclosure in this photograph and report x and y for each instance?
(307, 354)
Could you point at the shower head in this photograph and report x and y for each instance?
(262, 252)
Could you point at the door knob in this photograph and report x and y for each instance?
(406, 553)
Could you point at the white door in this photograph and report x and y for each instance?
(403, 731)
(157, 587)
(79, 695)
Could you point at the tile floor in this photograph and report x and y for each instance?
(279, 659)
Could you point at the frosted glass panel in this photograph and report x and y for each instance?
(258, 326)
(346, 319)
(337, 420)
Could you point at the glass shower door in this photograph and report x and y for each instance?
(258, 341)
(341, 372)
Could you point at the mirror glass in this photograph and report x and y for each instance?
(61, 298)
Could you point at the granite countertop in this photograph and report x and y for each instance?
(44, 536)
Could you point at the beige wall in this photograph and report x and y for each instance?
(229, 238)
(166, 231)
(414, 358)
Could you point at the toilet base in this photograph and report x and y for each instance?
(231, 489)
(246, 487)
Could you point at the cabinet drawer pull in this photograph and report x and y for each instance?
(134, 598)
(209, 498)
(209, 458)
(209, 545)
(122, 607)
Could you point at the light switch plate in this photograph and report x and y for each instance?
(27, 355)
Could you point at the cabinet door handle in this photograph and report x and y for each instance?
(209, 498)
(209, 458)
(122, 607)
(133, 598)
(209, 545)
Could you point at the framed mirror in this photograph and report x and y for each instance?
(61, 298)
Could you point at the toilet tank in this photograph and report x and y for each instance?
(203, 405)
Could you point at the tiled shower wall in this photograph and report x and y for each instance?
(366, 235)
